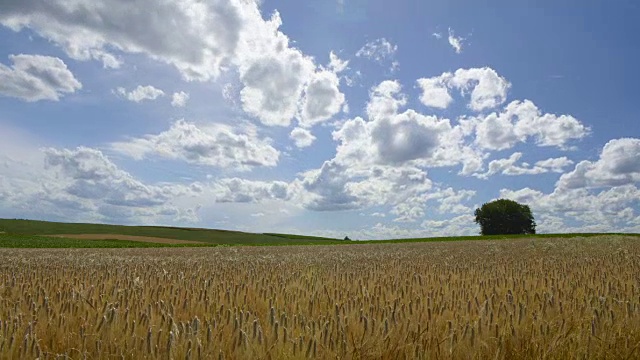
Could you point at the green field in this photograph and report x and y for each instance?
(34, 241)
(33, 234)
(206, 236)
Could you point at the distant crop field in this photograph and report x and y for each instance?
(208, 236)
(533, 298)
(35, 241)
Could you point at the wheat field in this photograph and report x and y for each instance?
(527, 299)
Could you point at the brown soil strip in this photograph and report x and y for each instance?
(148, 239)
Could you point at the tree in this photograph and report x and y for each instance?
(504, 216)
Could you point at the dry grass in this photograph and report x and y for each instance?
(542, 298)
(148, 239)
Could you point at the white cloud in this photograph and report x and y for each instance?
(522, 120)
(619, 164)
(600, 196)
(581, 210)
(91, 175)
(274, 75)
(202, 40)
(457, 226)
(140, 93)
(36, 77)
(556, 165)
(380, 161)
(508, 166)
(179, 99)
(378, 50)
(435, 92)
(455, 42)
(198, 41)
(437, 35)
(302, 137)
(84, 185)
(236, 190)
(322, 98)
(273, 84)
(391, 137)
(451, 201)
(487, 89)
(337, 187)
(337, 65)
(216, 145)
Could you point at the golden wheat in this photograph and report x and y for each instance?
(542, 298)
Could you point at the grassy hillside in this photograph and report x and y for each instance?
(34, 241)
(32, 227)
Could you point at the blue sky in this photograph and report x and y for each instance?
(344, 117)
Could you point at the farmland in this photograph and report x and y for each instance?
(84, 235)
(523, 298)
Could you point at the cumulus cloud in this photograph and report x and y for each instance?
(618, 164)
(556, 165)
(236, 190)
(85, 185)
(581, 209)
(215, 145)
(435, 92)
(486, 88)
(198, 41)
(337, 187)
(391, 137)
(93, 176)
(521, 120)
(451, 201)
(281, 83)
(508, 166)
(324, 189)
(37, 77)
(179, 99)
(322, 98)
(460, 225)
(86, 180)
(406, 137)
(273, 85)
(302, 137)
(140, 93)
(202, 40)
(597, 196)
(379, 161)
(455, 41)
(378, 50)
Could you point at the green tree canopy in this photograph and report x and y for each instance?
(504, 216)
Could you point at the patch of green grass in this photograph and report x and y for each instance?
(219, 237)
(34, 241)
